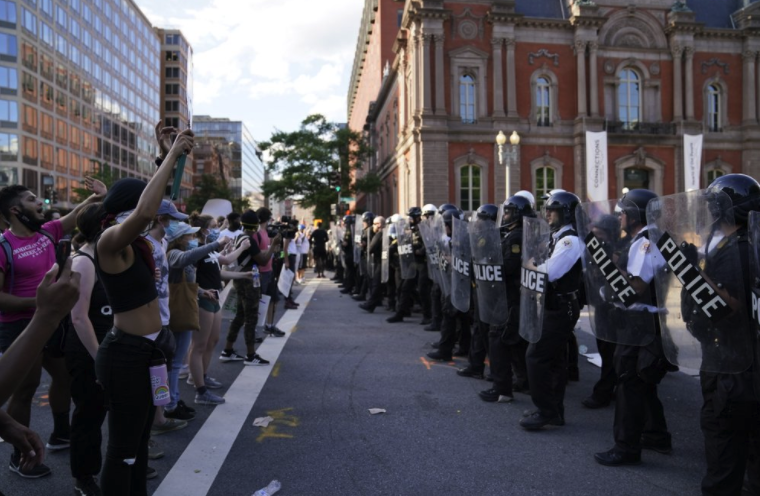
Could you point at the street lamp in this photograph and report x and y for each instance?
(514, 140)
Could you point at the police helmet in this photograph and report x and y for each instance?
(742, 190)
(368, 217)
(528, 196)
(447, 206)
(414, 212)
(349, 220)
(392, 233)
(634, 204)
(564, 202)
(429, 210)
(489, 211)
(550, 193)
(448, 215)
(394, 218)
(519, 207)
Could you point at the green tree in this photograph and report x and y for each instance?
(103, 172)
(309, 164)
(210, 187)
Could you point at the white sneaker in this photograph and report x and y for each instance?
(184, 372)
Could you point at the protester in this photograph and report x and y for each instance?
(126, 269)
(29, 235)
(304, 247)
(269, 273)
(209, 277)
(91, 319)
(319, 239)
(248, 293)
(234, 228)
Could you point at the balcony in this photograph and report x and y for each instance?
(651, 128)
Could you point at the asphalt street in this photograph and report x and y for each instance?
(436, 437)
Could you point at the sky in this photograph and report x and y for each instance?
(267, 63)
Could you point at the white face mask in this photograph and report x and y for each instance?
(120, 218)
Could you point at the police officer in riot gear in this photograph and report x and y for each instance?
(506, 347)
(365, 280)
(375, 252)
(453, 319)
(639, 368)
(349, 273)
(547, 358)
(409, 286)
(730, 417)
(606, 230)
(429, 211)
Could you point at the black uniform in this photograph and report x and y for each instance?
(547, 359)
(423, 279)
(507, 348)
(639, 414)
(375, 248)
(730, 417)
(349, 273)
(394, 275)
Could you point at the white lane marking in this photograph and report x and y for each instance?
(196, 469)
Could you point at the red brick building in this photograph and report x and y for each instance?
(434, 82)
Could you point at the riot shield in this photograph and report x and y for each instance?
(754, 263)
(701, 283)
(358, 228)
(429, 238)
(534, 279)
(443, 243)
(618, 314)
(487, 266)
(370, 260)
(461, 262)
(385, 261)
(405, 250)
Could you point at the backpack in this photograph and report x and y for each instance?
(237, 266)
(6, 246)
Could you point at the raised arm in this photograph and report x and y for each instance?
(117, 238)
(99, 190)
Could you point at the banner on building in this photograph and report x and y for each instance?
(692, 151)
(597, 178)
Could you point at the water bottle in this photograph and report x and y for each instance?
(256, 280)
(272, 488)
(159, 383)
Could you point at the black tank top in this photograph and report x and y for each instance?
(100, 314)
(132, 288)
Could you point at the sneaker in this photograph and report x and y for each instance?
(208, 398)
(230, 356)
(56, 443)
(154, 452)
(493, 396)
(255, 359)
(274, 332)
(181, 404)
(184, 372)
(168, 426)
(151, 473)
(36, 472)
(87, 487)
(179, 413)
(212, 383)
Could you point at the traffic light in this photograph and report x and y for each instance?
(337, 188)
(333, 209)
(55, 196)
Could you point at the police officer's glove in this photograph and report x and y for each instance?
(691, 253)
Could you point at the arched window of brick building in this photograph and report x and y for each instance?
(545, 182)
(467, 102)
(715, 106)
(543, 102)
(470, 187)
(629, 98)
(713, 174)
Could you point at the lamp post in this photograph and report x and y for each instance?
(514, 140)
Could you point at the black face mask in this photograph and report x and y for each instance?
(29, 222)
(235, 225)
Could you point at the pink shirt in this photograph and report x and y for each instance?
(264, 246)
(32, 258)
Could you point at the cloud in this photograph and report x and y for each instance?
(260, 51)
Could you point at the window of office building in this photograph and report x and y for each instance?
(30, 119)
(8, 47)
(8, 80)
(7, 12)
(29, 22)
(29, 151)
(8, 111)
(8, 147)
(46, 125)
(47, 158)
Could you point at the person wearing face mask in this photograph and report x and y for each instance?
(166, 216)
(209, 277)
(234, 227)
(184, 253)
(32, 244)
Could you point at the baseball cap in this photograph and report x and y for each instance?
(168, 208)
(179, 230)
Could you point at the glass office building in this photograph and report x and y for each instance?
(247, 166)
(80, 85)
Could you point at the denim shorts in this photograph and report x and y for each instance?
(208, 305)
